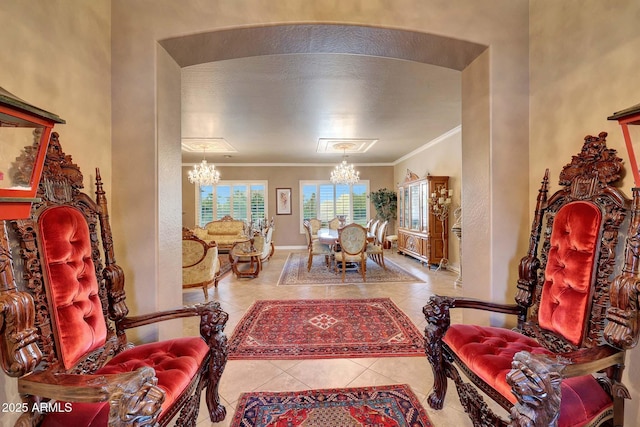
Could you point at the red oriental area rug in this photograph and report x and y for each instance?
(317, 329)
(382, 406)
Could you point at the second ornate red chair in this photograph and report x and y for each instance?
(576, 310)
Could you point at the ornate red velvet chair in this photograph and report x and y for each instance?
(64, 319)
(576, 309)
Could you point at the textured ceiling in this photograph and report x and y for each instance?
(275, 108)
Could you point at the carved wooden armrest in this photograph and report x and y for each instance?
(209, 308)
(436, 311)
(438, 317)
(535, 380)
(212, 322)
(19, 352)
(486, 306)
(591, 360)
(623, 326)
(134, 397)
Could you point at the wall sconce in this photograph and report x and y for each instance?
(440, 204)
(21, 125)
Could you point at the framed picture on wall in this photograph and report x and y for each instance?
(283, 201)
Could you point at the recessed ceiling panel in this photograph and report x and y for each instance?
(209, 145)
(337, 145)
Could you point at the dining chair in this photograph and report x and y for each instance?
(334, 224)
(375, 249)
(369, 223)
(314, 247)
(352, 244)
(374, 227)
(315, 224)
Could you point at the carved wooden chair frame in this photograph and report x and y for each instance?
(612, 325)
(28, 342)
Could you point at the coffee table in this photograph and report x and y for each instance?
(245, 253)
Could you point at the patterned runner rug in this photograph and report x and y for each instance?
(325, 329)
(295, 272)
(381, 406)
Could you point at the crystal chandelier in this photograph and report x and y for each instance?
(204, 173)
(344, 173)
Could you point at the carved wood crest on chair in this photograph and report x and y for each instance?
(63, 320)
(562, 364)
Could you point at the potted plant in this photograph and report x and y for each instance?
(386, 203)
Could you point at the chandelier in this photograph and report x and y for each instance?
(204, 173)
(344, 173)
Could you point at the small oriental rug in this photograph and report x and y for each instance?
(382, 406)
(225, 264)
(325, 329)
(295, 272)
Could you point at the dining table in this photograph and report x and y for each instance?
(329, 236)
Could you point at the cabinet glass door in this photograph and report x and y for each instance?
(407, 211)
(415, 207)
(424, 197)
(401, 207)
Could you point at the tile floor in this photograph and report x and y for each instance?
(237, 295)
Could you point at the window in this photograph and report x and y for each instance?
(240, 199)
(324, 200)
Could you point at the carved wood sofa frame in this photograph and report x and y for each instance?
(218, 231)
(611, 325)
(30, 344)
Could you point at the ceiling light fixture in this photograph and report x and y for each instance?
(204, 173)
(344, 173)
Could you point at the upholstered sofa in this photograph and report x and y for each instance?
(225, 232)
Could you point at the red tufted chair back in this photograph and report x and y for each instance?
(568, 278)
(63, 266)
(70, 272)
(576, 239)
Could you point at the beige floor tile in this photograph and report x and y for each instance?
(245, 375)
(414, 371)
(326, 373)
(283, 382)
(364, 361)
(447, 417)
(371, 378)
(285, 364)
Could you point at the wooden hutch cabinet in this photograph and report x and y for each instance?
(420, 234)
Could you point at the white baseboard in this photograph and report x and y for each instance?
(290, 247)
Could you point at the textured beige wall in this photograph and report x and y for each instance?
(287, 227)
(170, 209)
(584, 66)
(63, 64)
(60, 63)
(500, 24)
(441, 157)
